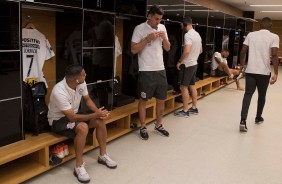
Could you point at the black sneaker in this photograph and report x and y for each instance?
(181, 114)
(193, 111)
(160, 129)
(259, 120)
(54, 159)
(243, 126)
(144, 134)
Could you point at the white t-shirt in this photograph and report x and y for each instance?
(151, 57)
(118, 52)
(64, 98)
(193, 38)
(36, 49)
(214, 63)
(260, 44)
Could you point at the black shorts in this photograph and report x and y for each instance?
(66, 128)
(152, 84)
(220, 73)
(189, 76)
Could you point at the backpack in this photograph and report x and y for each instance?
(35, 109)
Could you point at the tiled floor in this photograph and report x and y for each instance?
(202, 149)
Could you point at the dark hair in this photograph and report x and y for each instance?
(73, 70)
(186, 21)
(266, 23)
(155, 9)
(226, 49)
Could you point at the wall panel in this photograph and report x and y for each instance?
(276, 28)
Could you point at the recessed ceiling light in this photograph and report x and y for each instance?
(205, 10)
(271, 11)
(174, 10)
(265, 5)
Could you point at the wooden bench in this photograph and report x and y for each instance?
(25, 159)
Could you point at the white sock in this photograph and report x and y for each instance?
(239, 76)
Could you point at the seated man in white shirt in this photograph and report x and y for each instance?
(66, 120)
(220, 68)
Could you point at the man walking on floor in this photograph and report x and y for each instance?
(189, 61)
(148, 39)
(261, 45)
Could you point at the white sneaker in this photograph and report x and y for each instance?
(66, 150)
(231, 76)
(107, 161)
(81, 174)
(239, 76)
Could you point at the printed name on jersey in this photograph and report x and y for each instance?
(31, 40)
(30, 45)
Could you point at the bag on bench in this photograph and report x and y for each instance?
(35, 109)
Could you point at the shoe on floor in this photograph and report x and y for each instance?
(107, 161)
(81, 174)
(160, 130)
(181, 114)
(259, 120)
(243, 126)
(54, 159)
(144, 134)
(65, 148)
(193, 111)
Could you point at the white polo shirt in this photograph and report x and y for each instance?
(214, 64)
(64, 98)
(151, 57)
(193, 38)
(260, 44)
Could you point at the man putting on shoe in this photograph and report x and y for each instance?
(65, 119)
(220, 68)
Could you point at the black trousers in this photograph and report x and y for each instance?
(254, 81)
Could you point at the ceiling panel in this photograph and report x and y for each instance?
(245, 6)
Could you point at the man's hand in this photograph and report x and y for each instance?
(273, 79)
(102, 113)
(178, 65)
(162, 34)
(243, 69)
(152, 36)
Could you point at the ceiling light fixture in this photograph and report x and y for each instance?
(271, 11)
(174, 10)
(190, 5)
(205, 10)
(265, 5)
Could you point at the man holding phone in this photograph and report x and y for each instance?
(148, 40)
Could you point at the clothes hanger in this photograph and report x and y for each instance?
(29, 24)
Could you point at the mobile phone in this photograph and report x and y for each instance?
(181, 73)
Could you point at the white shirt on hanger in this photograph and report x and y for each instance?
(35, 50)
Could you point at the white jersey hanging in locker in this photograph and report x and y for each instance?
(36, 49)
